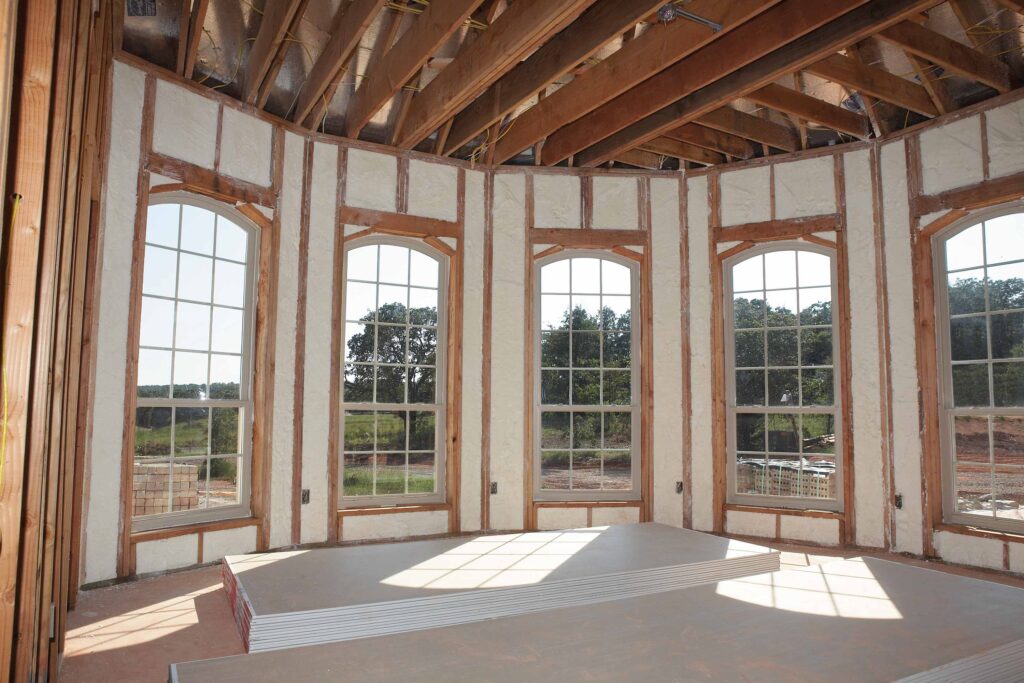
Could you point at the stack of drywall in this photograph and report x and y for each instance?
(849, 620)
(297, 598)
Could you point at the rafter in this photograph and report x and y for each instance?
(642, 57)
(604, 21)
(188, 43)
(876, 82)
(936, 87)
(430, 30)
(789, 101)
(277, 17)
(682, 150)
(1015, 5)
(878, 122)
(641, 159)
(712, 139)
(513, 35)
(729, 120)
(348, 28)
(265, 88)
(850, 28)
(744, 45)
(949, 54)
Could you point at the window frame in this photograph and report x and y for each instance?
(947, 412)
(635, 493)
(837, 409)
(246, 400)
(440, 406)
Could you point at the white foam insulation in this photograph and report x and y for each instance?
(951, 155)
(805, 188)
(166, 553)
(433, 190)
(184, 125)
(371, 180)
(1005, 133)
(556, 201)
(822, 530)
(394, 525)
(246, 147)
(615, 202)
(745, 195)
(561, 518)
(758, 524)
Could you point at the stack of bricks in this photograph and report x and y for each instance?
(151, 488)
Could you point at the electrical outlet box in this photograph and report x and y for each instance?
(305, 496)
(494, 487)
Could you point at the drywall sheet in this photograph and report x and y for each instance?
(103, 479)
(859, 620)
(167, 553)
(1005, 139)
(283, 425)
(951, 155)
(371, 180)
(184, 125)
(246, 147)
(667, 306)
(805, 188)
(745, 196)
(508, 350)
(615, 202)
(316, 396)
(217, 544)
(865, 383)
(906, 441)
(606, 516)
(396, 525)
(433, 190)
(701, 463)
(741, 523)
(814, 529)
(561, 518)
(472, 351)
(556, 201)
(966, 549)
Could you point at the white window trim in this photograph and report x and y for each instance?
(440, 407)
(789, 502)
(245, 401)
(636, 344)
(947, 412)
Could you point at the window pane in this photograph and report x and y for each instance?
(392, 304)
(816, 346)
(150, 487)
(818, 478)
(154, 375)
(750, 387)
(225, 376)
(423, 270)
(196, 277)
(359, 342)
(586, 349)
(390, 385)
(162, 224)
(421, 473)
(191, 431)
(229, 284)
(586, 275)
(390, 344)
(554, 349)
(816, 306)
(1008, 384)
(358, 383)
(617, 471)
(152, 432)
(390, 473)
(967, 292)
(617, 430)
(359, 426)
(973, 488)
(815, 269)
(614, 278)
(422, 385)
(394, 264)
(748, 312)
(423, 306)
(782, 308)
(780, 269)
(554, 278)
(1009, 493)
(586, 312)
(586, 430)
(972, 444)
(192, 327)
(586, 387)
(360, 301)
(197, 229)
(615, 313)
(586, 470)
(554, 430)
(783, 433)
(422, 431)
(782, 347)
(159, 271)
(1008, 335)
(554, 470)
(1006, 286)
(749, 349)
(748, 276)
(783, 387)
(968, 338)
(818, 433)
(391, 431)
(190, 373)
(1004, 238)
(357, 479)
(554, 387)
(751, 474)
(1008, 440)
(617, 387)
(554, 312)
(232, 241)
(361, 264)
(157, 325)
(965, 249)
(422, 346)
(749, 432)
(817, 387)
(227, 330)
(223, 482)
(970, 385)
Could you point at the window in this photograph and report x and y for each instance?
(781, 349)
(393, 401)
(980, 300)
(586, 380)
(193, 419)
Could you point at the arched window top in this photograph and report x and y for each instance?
(584, 291)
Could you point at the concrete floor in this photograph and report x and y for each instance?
(133, 631)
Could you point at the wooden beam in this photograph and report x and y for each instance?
(933, 83)
(779, 229)
(715, 140)
(279, 56)
(641, 58)
(399, 223)
(972, 16)
(789, 101)
(949, 54)
(682, 150)
(850, 28)
(777, 26)
(605, 20)
(871, 108)
(589, 238)
(348, 28)
(876, 82)
(513, 35)
(729, 120)
(277, 17)
(641, 159)
(187, 61)
(1013, 5)
(429, 31)
(985, 193)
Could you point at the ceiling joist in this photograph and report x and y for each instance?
(683, 151)
(729, 120)
(277, 17)
(789, 101)
(715, 140)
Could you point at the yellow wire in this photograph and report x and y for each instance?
(3, 374)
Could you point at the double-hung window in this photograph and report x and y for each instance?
(193, 418)
(393, 403)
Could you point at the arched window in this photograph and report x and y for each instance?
(781, 357)
(980, 303)
(587, 379)
(393, 402)
(193, 423)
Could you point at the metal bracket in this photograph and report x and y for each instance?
(674, 11)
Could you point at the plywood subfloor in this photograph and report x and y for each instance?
(862, 619)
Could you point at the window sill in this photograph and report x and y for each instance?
(796, 512)
(198, 527)
(393, 509)
(967, 530)
(587, 503)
